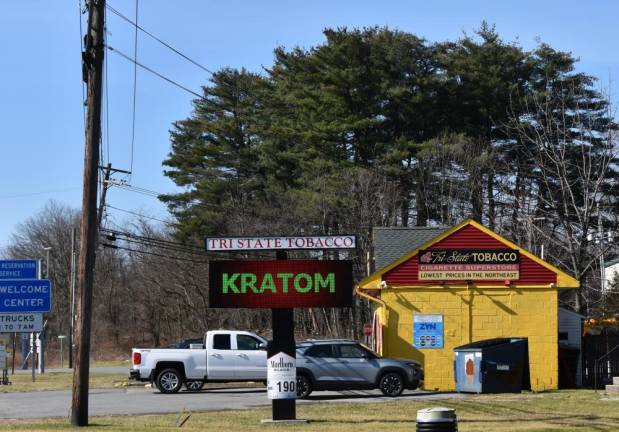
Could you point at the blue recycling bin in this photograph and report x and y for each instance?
(492, 366)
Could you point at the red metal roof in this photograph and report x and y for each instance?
(469, 237)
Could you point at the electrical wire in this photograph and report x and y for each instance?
(28, 194)
(153, 242)
(154, 194)
(111, 246)
(141, 215)
(79, 5)
(120, 15)
(107, 112)
(163, 77)
(171, 81)
(135, 79)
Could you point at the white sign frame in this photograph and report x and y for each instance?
(237, 243)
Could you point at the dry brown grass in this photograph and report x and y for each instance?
(57, 381)
(580, 410)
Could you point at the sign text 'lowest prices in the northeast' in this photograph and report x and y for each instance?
(280, 284)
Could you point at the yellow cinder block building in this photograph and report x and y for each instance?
(464, 285)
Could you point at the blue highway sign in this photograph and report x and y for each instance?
(25, 296)
(18, 269)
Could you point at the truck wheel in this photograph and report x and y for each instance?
(194, 385)
(391, 384)
(169, 381)
(304, 386)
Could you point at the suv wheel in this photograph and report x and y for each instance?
(169, 381)
(391, 384)
(194, 385)
(304, 386)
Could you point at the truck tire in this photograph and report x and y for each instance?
(391, 384)
(304, 386)
(194, 385)
(169, 381)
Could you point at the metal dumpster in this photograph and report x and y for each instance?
(492, 366)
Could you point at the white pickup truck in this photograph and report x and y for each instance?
(225, 356)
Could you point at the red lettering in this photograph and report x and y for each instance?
(348, 241)
(289, 240)
(278, 242)
(212, 243)
(297, 240)
(329, 242)
(337, 241)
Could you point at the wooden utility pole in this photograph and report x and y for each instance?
(92, 68)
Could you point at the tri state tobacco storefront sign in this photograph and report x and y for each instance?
(469, 264)
(280, 285)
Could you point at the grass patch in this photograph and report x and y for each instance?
(57, 381)
(579, 410)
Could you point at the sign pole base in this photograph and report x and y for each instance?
(283, 341)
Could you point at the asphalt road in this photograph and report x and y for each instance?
(148, 401)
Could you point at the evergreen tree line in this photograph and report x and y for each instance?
(373, 127)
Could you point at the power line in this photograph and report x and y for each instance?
(162, 246)
(140, 190)
(79, 5)
(141, 215)
(120, 15)
(152, 239)
(111, 246)
(28, 194)
(135, 79)
(163, 77)
(154, 242)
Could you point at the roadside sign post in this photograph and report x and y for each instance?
(280, 285)
(61, 338)
(24, 297)
(282, 320)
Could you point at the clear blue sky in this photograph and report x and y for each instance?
(41, 126)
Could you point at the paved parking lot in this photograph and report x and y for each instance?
(148, 401)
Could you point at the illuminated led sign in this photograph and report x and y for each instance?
(280, 284)
(469, 264)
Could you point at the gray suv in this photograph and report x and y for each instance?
(346, 365)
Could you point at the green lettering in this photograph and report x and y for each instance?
(229, 283)
(267, 283)
(248, 280)
(329, 282)
(308, 282)
(284, 277)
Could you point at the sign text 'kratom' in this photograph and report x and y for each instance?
(280, 283)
